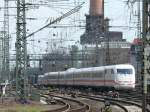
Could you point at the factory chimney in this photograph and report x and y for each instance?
(96, 7)
(95, 23)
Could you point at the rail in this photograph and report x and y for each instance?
(84, 107)
(102, 100)
(67, 108)
(118, 100)
(64, 108)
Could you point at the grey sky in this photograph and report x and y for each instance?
(116, 10)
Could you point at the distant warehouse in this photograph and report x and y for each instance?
(119, 53)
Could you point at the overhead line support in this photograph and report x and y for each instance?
(146, 50)
(5, 69)
(21, 52)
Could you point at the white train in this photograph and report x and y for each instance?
(116, 76)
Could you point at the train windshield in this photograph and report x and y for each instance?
(124, 71)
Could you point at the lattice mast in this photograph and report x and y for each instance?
(139, 19)
(5, 68)
(21, 52)
(1, 53)
(146, 49)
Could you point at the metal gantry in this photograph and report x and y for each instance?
(5, 66)
(21, 52)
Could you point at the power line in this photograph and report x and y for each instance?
(76, 9)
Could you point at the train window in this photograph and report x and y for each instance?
(109, 71)
(81, 75)
(101, 73)
(69, 76)
(94, 74)
(75, 75)
(52, 77)
(86, 75)
(97, 74)
(63, 77)
(124, 71)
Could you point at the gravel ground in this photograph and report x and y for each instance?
(9, 105)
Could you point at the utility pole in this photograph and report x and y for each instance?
(21, 52)
(5, 68)
(146, 51)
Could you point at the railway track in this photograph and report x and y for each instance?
(123, 103)
(135, 96)
(130, 97)
(65, 106)
(116, 105)
(70, 105)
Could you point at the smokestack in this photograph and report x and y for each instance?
(96, 7)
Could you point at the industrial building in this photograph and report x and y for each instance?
(113, 48)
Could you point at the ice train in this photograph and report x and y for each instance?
(120, 76)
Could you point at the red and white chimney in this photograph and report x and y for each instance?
(96, 7)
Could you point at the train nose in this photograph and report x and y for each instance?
(128, 87)
(125, 84)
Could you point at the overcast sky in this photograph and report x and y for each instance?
(117, 10)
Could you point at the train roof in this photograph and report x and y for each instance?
(88, 69)
(109, 66)
(71, 69)
(124, 66)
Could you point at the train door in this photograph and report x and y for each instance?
(73, 81)
(71, 78)
(92, 77)
(109, 77)
(64, 78)
(75, 77)
(58, 79)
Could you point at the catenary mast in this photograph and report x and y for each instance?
(146, 50)
(5, 68)
(21, 52)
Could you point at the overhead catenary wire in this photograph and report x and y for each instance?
(76, 9)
